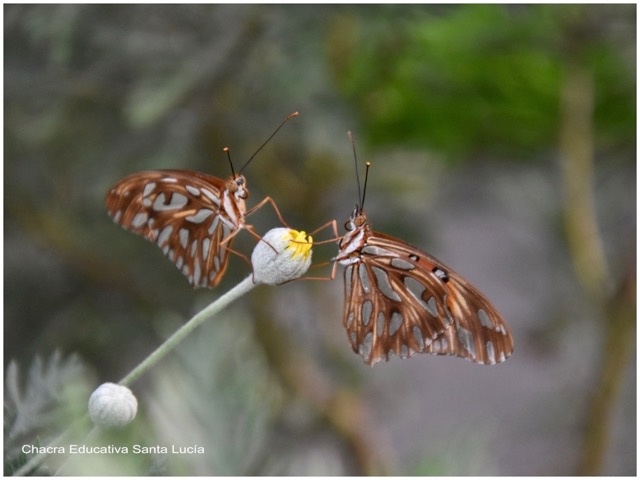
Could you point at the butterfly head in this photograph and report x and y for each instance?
(237, 186)
(357, 220)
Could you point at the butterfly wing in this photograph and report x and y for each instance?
(402, 301)
(181, 212)
(478, 332)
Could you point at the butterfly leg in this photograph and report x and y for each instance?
(249, 228)
(331, 223)
(330, 277)
(275, 208)
(237, 253)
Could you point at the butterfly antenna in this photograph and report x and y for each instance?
(228, 152)
(355, 161)
(294, 114)
(364, 190)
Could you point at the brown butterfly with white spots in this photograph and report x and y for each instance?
(400, 301)
(193, 217)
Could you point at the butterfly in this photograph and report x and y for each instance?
(399, 300)
(193, 217)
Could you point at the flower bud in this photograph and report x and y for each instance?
(281, 255)
(112, 405)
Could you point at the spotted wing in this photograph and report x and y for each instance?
(402, 301)
(181, 212)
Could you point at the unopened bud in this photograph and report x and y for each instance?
(281, 255)
(112, 405)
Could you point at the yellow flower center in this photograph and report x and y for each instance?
(300, 242)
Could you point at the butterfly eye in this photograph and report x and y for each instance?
(348, 225)
(239, 187)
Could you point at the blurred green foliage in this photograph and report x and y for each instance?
(94, 92)
(477, 78)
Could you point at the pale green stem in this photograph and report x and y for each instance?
(243, 287)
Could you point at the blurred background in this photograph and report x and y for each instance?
(502, 140)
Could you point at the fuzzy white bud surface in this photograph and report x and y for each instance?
(112, 405)
(281, 255)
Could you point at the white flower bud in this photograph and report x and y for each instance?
(290, 260)
(112, 405)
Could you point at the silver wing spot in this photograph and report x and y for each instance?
(214, 198)
(417, 289)
(183, 233)
(206, 243)
(365, 347)
(165, 233)
(382, 279)
(176, 202)
(158, 204)
(194, 245)
(148, 188)
(485, 321)
(441, 274)
(367, 308)
(491, 352)
(432, 306)
(193, 190)
(347, 278)
(380, 324)
(214, 225)
(395, 323)
(378, 251)
(199, 217)
(402, 264)
(140, 219)
(364, 277)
